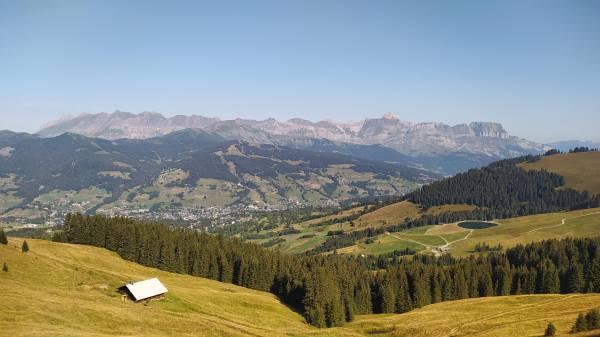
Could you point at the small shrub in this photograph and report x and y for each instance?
(550, 330)
(3, 239)
(5, 268)
(592, 319)
(25, 247)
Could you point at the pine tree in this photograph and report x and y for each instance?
(550, 330)
(25, 247)
(574, 279)
(594, 278)
(3, 239)
(387, 298)
(580, 324)
(5, 267)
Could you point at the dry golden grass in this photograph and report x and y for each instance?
(579, 169)
(445, 229)
(510, 316)
(436, 210)
(342, 214)
(394, 213)
(69, 290)
(58, 290)
(526, 229)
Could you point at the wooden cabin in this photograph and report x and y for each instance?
(144, 290)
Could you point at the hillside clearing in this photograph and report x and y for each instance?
(580, 170)
(508, 233)
(522, 230)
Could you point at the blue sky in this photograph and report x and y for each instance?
(532, 65)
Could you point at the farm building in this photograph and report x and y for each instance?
(144, 290)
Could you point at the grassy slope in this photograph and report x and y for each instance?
(508, 233)
(390, 214)
(579, 169)
(522, 230)
(56, 290)
(386, 215)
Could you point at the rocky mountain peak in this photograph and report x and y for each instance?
(390, 116)
(428, 139)
(488, 129)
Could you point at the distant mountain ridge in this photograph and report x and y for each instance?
(567, 145)
(484, 139)
(187, 168)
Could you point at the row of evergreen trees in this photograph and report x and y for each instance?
(330, 290)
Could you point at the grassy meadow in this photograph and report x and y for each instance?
(70, 290)
(579, 169)
(508, 233)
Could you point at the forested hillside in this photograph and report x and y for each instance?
(189, 168)
(500, 190)
(503, 190)
(330, 290)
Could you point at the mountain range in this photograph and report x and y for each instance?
(567, 145)
(187, 168)
(432, 146)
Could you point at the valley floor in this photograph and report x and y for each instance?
(70, 290)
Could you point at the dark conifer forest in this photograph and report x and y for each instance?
(330, 290)
(503, 190)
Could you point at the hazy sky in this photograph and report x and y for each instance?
(532, 65)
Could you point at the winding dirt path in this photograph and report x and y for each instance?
(408, 240)
(562, 222)
(432, 248)
(455, 241)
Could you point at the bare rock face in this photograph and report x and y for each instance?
(430, 139)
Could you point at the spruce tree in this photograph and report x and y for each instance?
(574, 279)
(594, 275)
(25, 247)
(550, 330)
(387, 298)
(3, 239)
(5, 267)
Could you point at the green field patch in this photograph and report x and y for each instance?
(476, 224)
(429, 240)
(522, 230)
(454, 236)
(417, 230)
(385, 244)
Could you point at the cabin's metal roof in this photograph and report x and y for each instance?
(146, 289)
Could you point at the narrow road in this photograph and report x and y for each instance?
(431, 247)
(562, 222)
(455, 241)
(408, 240)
